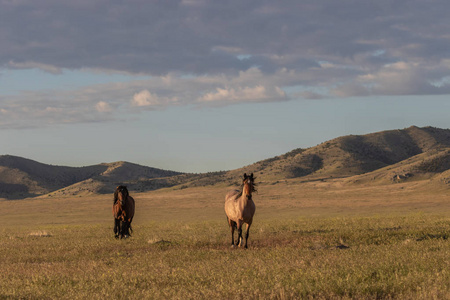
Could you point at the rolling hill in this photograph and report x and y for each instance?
(356, 154)
(22, 178)
(378, 158)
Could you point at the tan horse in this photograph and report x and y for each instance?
(123, 211)
(240, 208)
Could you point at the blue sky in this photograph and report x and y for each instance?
(199, 85)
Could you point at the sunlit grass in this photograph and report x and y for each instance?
(351, 257)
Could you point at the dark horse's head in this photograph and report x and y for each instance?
(121, 194)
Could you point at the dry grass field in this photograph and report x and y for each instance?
(320, 239)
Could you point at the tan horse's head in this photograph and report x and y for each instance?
(249, 185)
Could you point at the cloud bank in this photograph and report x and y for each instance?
(220, 52)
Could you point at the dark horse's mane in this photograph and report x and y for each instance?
(116, 192)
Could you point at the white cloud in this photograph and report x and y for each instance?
(257, 93)
(399, 78)
(208, 37)
(228, 49)
(103, 107)
(35, 65)
(33, 109)
(145, 98)
(105, 102)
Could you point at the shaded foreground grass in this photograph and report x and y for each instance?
(347, 257)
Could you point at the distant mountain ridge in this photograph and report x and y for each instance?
(387, 156)
(21, 177)
(354, 154)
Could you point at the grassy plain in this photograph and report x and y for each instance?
(309, 240)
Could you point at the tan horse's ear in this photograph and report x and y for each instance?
(251, 176)
(245, 175)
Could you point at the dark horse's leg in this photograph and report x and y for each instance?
(116, 227)
(123, 229)
(126, 229)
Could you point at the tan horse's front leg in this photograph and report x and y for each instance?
(232, 228)
(239, 228)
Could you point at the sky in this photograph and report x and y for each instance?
(200, 86)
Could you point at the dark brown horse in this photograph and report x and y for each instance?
(240, 208)
(123, 211)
